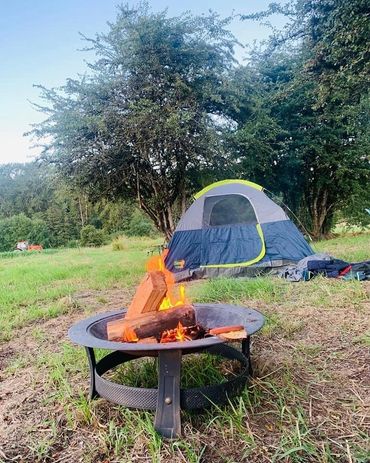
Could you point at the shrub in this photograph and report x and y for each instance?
(91, 236)
(119, 243)
(73, 244)
(20, 227)
(139, 225)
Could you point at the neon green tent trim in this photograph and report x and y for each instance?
(227, 182)
(249, 262)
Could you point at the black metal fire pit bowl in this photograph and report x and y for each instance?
(168, 398)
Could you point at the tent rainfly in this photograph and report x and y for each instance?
(233, 229)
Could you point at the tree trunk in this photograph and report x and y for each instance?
(183, 196)
(171, 224)
(321, 214)
(81, 212)
(86, 210)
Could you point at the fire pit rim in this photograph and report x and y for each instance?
(80, 333)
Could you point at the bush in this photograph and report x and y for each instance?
(73, 244)
(20, 227)
(139, 225)
(91, 236)
(119, 243)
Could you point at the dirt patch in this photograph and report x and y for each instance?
(23, 391)
(6, 354)
(312, 364)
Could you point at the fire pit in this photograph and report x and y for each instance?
(168, 398)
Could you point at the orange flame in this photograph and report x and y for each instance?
(177, 334)
(174, 297)
(130, 335)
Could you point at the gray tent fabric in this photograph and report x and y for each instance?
(266, 210)
(233, 229)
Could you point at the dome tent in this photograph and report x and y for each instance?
(232, 229)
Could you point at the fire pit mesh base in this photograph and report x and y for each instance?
(168, 398)
(132, 397)
(146, 398)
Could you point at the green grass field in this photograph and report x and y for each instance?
(308, 400)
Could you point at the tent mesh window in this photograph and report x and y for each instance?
(227, 210)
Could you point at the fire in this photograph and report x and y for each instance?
(177, 334)
(130, 335)
(174, 296)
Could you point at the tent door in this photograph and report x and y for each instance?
(237, 246)
(231, 234)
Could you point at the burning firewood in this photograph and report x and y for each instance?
(129, 335)
(158, 314)
(151, 340)
(149, 294)
(177, 334)
(151, 323)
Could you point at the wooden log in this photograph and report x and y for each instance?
(151, 340)
(149, 294)
(225, 329)
(233, 335)
(152, 323)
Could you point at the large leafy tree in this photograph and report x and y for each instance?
(149, 116)
(24, 188)
(316, 77)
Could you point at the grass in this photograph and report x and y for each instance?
(237, 290)
(40, 285)
(352, 247)
(306, 403)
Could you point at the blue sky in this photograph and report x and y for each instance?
(39, 42)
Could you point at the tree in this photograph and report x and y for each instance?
(152, 110)
(320, 106)
(115, 216)
(24, 188)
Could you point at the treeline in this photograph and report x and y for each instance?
(36, 205)
(166, 109)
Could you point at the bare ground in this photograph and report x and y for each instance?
(315, 359)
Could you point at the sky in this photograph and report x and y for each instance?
(40, 44)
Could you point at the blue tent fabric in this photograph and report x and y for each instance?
(284, 241)
(230, 245)
(185, 245)
(219, 234)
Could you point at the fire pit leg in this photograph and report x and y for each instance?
(92, 364)
(167, 417)
(246, 349)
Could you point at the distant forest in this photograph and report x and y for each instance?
(36, 205)
(165, 109)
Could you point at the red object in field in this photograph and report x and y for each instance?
(35, 247)
(25, 246)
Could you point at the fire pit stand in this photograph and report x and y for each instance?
(168, 398)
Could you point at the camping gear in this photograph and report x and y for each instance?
(325, 265)
(168, 398)
(232, 229)
(299, 271)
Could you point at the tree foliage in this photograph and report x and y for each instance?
(165, 109)
(22, 228)
(316, 79)
(149, 112)
(37, 206)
